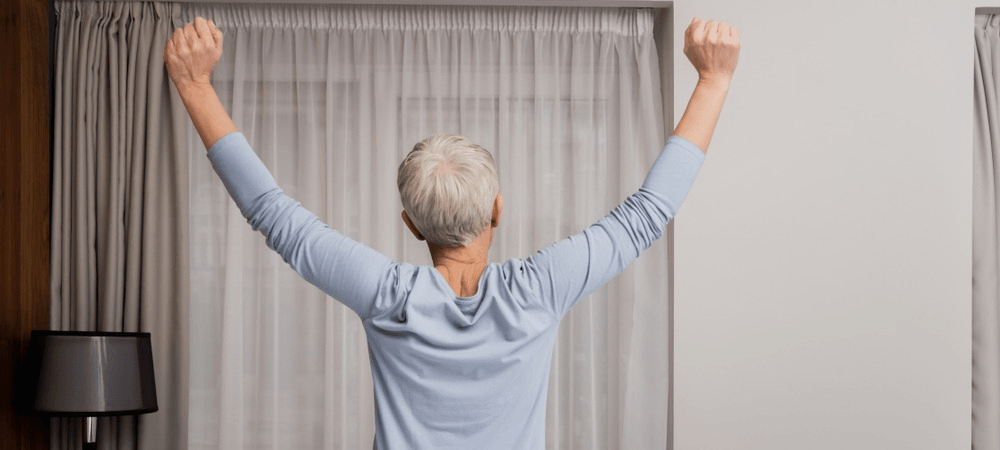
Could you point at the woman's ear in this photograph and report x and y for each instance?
(413, 229)
(497, 211)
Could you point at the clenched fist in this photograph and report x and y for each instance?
(713, 48)
(191, 53)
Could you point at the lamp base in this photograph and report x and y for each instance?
(90, 434)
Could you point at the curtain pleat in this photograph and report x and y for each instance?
(388, 19)
(985, 250)
(332, 98)
(119, 203)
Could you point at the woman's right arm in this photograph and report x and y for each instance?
(563, 273)
(713, 49)
(572, 268)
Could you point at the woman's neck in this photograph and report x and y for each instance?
(462, 267)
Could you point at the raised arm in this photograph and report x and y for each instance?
(713, 49)
(190, 55)
(346, 270)
(572, 268)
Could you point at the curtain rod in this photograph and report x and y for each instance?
(576, 3)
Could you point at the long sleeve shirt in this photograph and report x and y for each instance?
(455, 372)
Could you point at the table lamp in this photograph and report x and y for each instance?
(89, 374)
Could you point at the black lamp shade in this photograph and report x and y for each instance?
(74, 373)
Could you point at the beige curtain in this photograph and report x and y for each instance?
(332, 98)
(119, 204)
(985, 267)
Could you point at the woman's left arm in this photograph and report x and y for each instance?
(190, 55)
(348, 271)
(343, 268)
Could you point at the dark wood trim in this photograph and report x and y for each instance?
(25, 173)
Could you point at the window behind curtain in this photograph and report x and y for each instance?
(332, 98)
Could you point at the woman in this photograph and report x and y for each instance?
(460, 352)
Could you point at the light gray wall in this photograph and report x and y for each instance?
(823, 257)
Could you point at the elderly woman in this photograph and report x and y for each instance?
(460, 352)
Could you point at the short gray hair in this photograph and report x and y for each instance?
(447, 185)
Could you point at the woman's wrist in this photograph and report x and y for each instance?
(192, 88)
(715, 81)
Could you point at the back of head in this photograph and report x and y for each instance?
(447, 185)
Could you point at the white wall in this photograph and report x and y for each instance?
(823, 257)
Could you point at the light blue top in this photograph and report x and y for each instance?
(458, 372)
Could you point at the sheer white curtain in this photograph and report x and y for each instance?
(332, 98)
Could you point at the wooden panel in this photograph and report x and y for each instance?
(24, 204)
